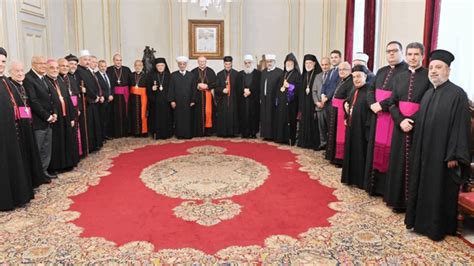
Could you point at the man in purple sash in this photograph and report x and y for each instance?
(379, 121)
(408, 89)
(120, 83)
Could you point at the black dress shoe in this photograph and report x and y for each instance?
(51, 176)
(46, 181)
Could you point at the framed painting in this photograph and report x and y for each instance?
(206, 38)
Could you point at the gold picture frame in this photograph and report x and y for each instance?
(206, 38)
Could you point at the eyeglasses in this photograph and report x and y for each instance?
(392, 51)
(345, 69)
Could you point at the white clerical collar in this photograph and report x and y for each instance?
(182, 72)
(271, 69)
(413, 70)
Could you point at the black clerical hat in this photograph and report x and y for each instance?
(228, 59)
(3, 51)
(71, 57)
(360, 68)
(311, 57)
(442, 55)
(160, 60)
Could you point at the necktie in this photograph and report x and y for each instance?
(106, 80)
(325, 76)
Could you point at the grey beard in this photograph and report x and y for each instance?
(248, 70)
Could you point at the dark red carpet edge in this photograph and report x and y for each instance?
(122, 209)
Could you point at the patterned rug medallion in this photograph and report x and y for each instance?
(211, 201)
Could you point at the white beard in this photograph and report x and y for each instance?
(248, 70)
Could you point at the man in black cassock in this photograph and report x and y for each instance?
(408, 89)
(334, 151)
(380, 122)
(361, 58)
(268, 89)
(441, 158)
(93, 96)
(287, 102)
(120, 84)
(15, 184)
(227, 90)
(355, 145)
(27, 141)
(308, 134)
(249, 102)
(72, 80)
(64, 154)
(160, 112)
(64, 77)
(182, 97)
(204, 113)
(137, 107)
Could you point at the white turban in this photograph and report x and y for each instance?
(84, 53)
(248, 57)
(270, 57)
(361, 57)
(182, 59)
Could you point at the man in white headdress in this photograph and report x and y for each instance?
(360, 58)
(94, 97)
(249, 100)
(268, 87)
(182, 97)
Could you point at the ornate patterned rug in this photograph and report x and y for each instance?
(210, 201)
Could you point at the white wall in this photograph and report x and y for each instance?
(400, 20)
(106, 27)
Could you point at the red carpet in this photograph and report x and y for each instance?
(122, 209)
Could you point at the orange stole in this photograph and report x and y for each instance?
(208, 108)
(142, 93)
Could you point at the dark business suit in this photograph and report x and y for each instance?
(104, 108)
(42, 108)
(328, 89)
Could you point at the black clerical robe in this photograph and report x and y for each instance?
(268, 89)
(182, 91)
(408, 89)
(249, 107)
(341, 93)
(138, 104)
(64, 153)
(15, 184)
(204, 113)
(93, 125)
(442, 133)
(374, 179)
(160, 112)
(355, 145)
(227, 112)
(77, 97)
(287, 107)
(29, 148)
(308, 135)
(120, 84)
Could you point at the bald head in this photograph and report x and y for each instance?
(17, 71)
(52, 69)
(325, 64)
(117, 60)
(38, 64)
(344, 69)
(202, 62)
(63, 66)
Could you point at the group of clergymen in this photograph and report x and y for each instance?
(402, 134)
